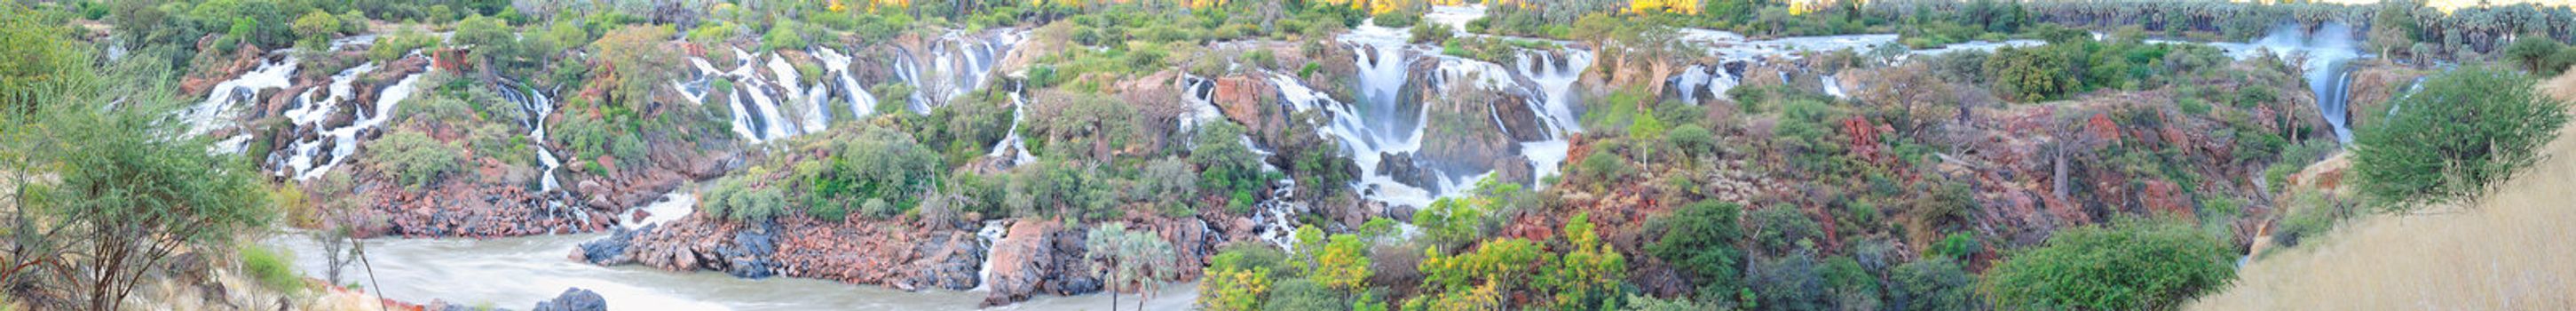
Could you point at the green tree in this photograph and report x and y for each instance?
(1342, 264)
(878, 164)
(632, 64)
(1647, 131)
(1233, 283)
(2533, 55)
(1591, 273)
(316, 29)
(416, 159)
(1699, 239)
(1931, 284)
(2126, 267)
(2465, 130)
(1226, 165)
(42, 60)
(1134, 260)
(102, 198)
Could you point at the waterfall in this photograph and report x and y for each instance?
(1015, 147)
(220, 106)
(991, 234)
(959, 63)
(1833, 86)
(345, 139)
(2326, 53)
(834, 63)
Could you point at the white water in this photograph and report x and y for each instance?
(2325, 53)
(1012, 145)
(344, 140)
(959, 63)
(861, 102)
(223, 103)
(672, 206)
(991, 234)
(519, 271)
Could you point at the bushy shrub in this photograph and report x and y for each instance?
(1931, 284)
(1432, 33)
(2465, 130)
(415, 159)
(271, 268)
(1699, 239)
(2126, 267)
(740, 198)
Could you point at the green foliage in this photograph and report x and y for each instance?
(743, 198)
(1931, 284)
(316, 28)
(1510, 263)
(2030, 75)
(1790, 282)
(1432, 33)
(1303, 294)
(1590, 274)
(1451, 221)
(400, 43)
(1134, 260)
(1342, 264)
(415, 159)
(271, 268)
(632, 58)
(2126, 267)
(1699, 239)
(42, 59)
(1781, 229)
(1848, 285)
(879, 165)
(1226, 165)
(2466, 129)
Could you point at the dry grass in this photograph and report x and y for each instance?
(2507, 251)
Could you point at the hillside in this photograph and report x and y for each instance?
(2505, 251)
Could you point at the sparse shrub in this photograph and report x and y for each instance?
(271, 268)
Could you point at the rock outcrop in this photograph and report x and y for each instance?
(573, 299)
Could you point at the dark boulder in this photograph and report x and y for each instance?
(574, 299)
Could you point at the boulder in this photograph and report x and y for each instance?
(1409, 171)
(574, 299)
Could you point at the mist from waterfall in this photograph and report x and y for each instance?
(2323, 56)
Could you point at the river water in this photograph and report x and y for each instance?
(518, 272)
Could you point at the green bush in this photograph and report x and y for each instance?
(1699, 239)
(271, 268)
(415, 159)
(738, 198)
(1931, 284)
(2465, 130)
(1432, 33)
(2126, 267)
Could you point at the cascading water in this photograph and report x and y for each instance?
(2326, 51)
(305, 158)
(959, 63)
(991, 234)
(221, 103)
(834, 63)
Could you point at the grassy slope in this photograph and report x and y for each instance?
(2511, 250)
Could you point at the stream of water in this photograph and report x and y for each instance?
(518, 272)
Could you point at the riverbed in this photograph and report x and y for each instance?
(517, 272)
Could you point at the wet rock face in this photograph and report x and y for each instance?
(610, 250)
(1039, 257)
(1409, 171)
(574, 299)
(749, 256)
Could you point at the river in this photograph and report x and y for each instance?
(518, 272)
